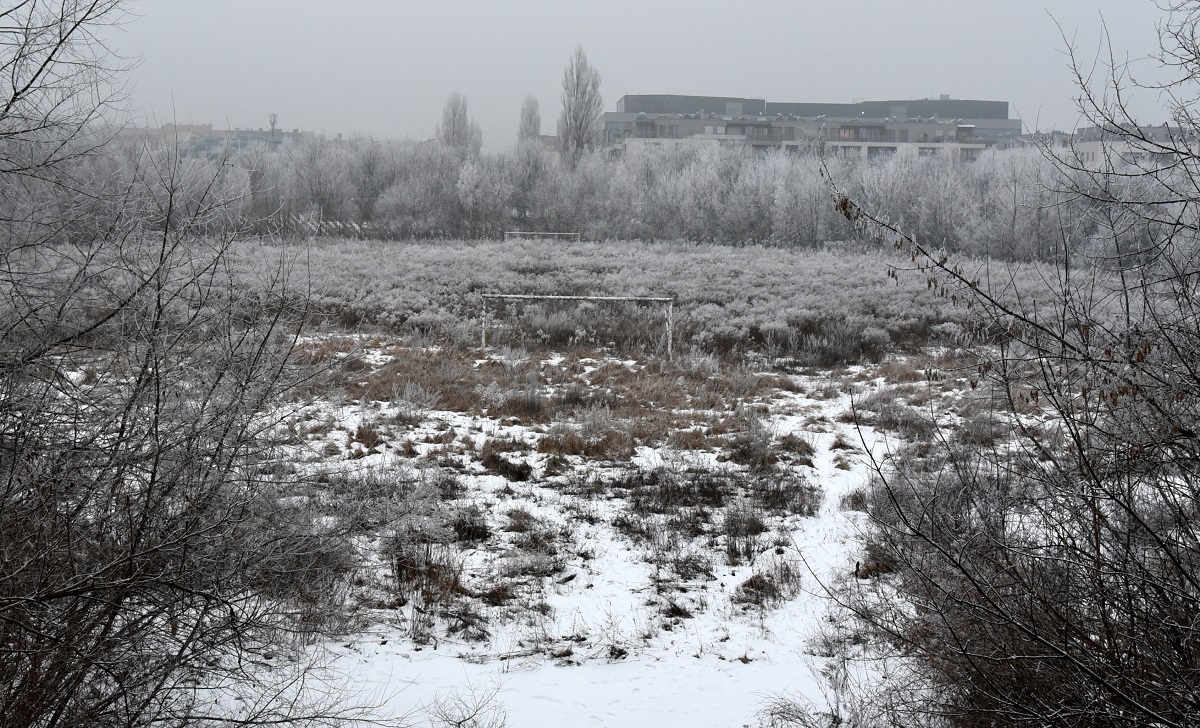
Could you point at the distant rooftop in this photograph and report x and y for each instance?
(941, 108)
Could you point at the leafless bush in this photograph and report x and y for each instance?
(467, 708)
(754, 447)
(144, 543)
(414, 401)
(692, 566)
(517, 471)
(606, 439)
(770, 585)
(906, 421)
(664, 491)
(786, 491)
(741, 527)
(151, 540)
(377, 499)
(984, 430)
(1049, 581)
(470, 524)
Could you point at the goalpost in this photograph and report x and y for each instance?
(525, 235)
(615, 299)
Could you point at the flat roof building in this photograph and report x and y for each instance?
(870, 129)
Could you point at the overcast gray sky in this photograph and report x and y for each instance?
(385, 67)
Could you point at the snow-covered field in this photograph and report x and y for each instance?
(585, 601)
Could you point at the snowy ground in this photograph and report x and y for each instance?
(609, 634)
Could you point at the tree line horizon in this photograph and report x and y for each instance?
(1009, 204)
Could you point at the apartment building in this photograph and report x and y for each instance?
(1146, 147)
(864, 130)
(202, 140)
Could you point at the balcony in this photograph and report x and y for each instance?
(869, 135)
(774, 136)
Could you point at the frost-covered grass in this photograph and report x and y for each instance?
(589, 539)
(819, 307)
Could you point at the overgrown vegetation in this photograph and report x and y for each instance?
(197, 491)
(807, 308)
(1001, 205)
(1040, 567)
(150, 555)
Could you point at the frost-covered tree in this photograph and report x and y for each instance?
(458, 130)
(484, 188)
(423, 201)
(318, 177)
(265, 184)
(579, 129)
(529, 175)
(371, 172)
(531, 120)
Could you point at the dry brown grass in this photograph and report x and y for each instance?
(326, 349)
(495, 445)
(841, 443)
(855, 500)
(657, 397)
(901, 370)
(368, 435)
(690, 403)
(429, 569)
(514, 470)
(520, 521)
(692, 438)
(450, 374)
(797, 445)
(609, 444)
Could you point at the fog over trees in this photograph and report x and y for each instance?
(1009, 204)
(458, 130)
(531, 120)
(1005, 205)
